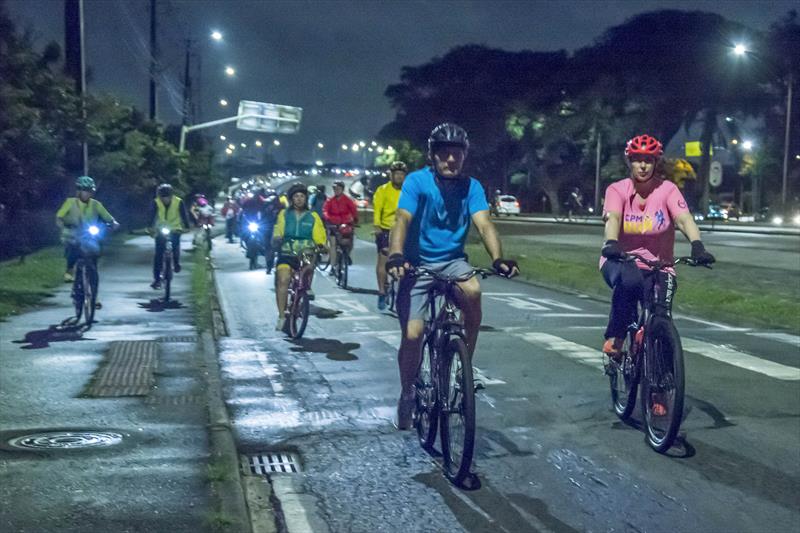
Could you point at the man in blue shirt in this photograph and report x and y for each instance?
(437, 204)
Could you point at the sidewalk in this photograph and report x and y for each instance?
(157, 478)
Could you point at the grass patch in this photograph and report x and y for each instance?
(219, 521)
(25, 282)
(734, 294)
(201, 290)
(217, 472)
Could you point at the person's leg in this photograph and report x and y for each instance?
(158, 258)
(468, 298)
(627, 282)
(283, 274)
(176, 250)
(332, 248)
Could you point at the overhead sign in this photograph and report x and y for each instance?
(715, 174)
(268, 118)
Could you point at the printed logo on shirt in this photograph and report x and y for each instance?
(637, 223)
(660, 218)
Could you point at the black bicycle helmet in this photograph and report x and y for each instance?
(165, 189)
(338, 183)
(295, 188)
(398, 165)
(447, 134)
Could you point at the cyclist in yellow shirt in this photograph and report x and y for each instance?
(384, 203)
(75, 213)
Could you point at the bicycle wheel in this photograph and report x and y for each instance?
(426, 408)
(298, 315)
(623, 379)
(323, 261)
(77, 291)
(458, 414)
(391, 296)
(662, 386)
(208, 237)
(89, 294)
(166, 273)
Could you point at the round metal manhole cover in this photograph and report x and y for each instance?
(66, 440)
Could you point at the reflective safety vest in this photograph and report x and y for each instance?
(74, 214)
(169, 216)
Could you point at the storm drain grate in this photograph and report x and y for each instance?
(178, 338)
(127, 370)
(183, 399)
(267, 463)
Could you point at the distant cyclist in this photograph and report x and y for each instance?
(641, 213)
(167, 211)
(271, 207)
(437, 205)
(74, 216)
(384, 203)
(296, 228)
(230, 212)
(339, 210)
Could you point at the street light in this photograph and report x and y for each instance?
(243, 145)
(740, 49)
(231, 147)
(320, 145)
(319, 163)
(355, 147)
(276, 142)
(747, 145)
(258, 143)
(362, 144)
(223, 102)
(373, 143)
(217, 36)
(228, 151)
(222, 138)
(345, 147)
(230, 71)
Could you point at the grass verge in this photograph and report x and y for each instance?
(26, 281)
(201, 291)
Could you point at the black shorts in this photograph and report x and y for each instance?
(382, 240)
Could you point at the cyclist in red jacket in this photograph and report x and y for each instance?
(340, 210)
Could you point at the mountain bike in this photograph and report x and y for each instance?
(444, 388)
(651, 361)
(390, 290)
(166, 263)
(84, 286)
(297, 306)
(343, 261)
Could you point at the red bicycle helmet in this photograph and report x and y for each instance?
(644, 145)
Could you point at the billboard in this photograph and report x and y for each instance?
(268, 118)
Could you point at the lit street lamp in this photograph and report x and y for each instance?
(222, 138)
(230, 71)
(276, 142)
(258, 143)
(223, 102)
(231, 147)
(217, 36)
(747, 145)
(740, 49)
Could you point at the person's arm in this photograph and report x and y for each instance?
(613, 219)
(353, 211)
(280, 226)
(397, 241)
(685, 223)
(151, 217)
(62, 212)
(377, 209)
(326, 209)
(488, 232)
(184, 216)
(318, 233)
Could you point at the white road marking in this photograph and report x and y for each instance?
(787, 338)
(519, 303)
(503, 293)
(742, 360)
(714, 325)
(478, 375)
(571, 350)
(554, 303)
(350, 317)
(572, 315)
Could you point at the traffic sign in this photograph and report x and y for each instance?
(268, 118)
(715, 174)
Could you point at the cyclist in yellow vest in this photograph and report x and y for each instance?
(74, 215)
(384, 203)
(167, 211)
(296, 228)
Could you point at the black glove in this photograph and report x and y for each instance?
(395, 261)
(611, 250)
(510, 265)
(699, 254)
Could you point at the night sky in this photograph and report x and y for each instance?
(332, 58)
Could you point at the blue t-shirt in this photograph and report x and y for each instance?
(441, 212)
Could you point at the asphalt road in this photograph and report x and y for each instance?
(551, 456)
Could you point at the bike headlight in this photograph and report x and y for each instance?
(778, 220)
(165, 231)
(796, 219)
(94, 230)
(252, 227)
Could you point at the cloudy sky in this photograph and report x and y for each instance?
(332, 58)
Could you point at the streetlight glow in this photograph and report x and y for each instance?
(276, 142)
(258, 143)
(243, 145)
(740, 49)
(320, 145)
(374, 143)
(345, 147)
(355, 147)
(231, 147)
(222, 138)
(223, 102)
(319, 163)
(747, 145)
(228, 151)
(230, 71)
(217, 36)
(734, 141)
(362, 144)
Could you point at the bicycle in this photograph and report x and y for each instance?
(572, 214)
(651, 361)
(84, 286)
(341, 268)
(297, 304)
(390, 290)
(166, 263)
(444, 389)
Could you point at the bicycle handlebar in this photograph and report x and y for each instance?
(422, 271)
(661, 265)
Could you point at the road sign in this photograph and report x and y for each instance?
(268, 118)
(715, 174)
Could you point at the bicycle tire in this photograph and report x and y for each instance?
(623, 379)
(345, 267)
(426, 406)
(208, 238)
(167, 274)
(298, 316)
(458, 440)
(323, 261)
(391, 296)
(663, 371)
(77, 291)
(89, 295)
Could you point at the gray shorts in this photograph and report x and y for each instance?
(412, 294)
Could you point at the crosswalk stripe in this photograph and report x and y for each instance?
(742, 360)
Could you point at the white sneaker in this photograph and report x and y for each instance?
(280, 325)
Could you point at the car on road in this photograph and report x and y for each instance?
(506, 205)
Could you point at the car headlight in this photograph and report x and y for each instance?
(777, 220)
(796, 219)
(94, 230)
(252, 227)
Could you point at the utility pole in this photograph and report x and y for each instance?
(597, 175)
(790, 83)
(75, 67)
(153, 62)
(187, 83)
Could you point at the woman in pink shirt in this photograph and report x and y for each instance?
(641, 214)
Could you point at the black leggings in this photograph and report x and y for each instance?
(630, 285)
(161, 246)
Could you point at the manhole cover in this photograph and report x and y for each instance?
(66, 440)
(265, 463)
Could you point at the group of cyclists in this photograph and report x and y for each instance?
(422, 219)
